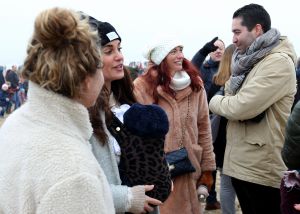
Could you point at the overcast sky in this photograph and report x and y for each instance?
(195, 22)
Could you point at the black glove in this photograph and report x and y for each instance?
(209, 47)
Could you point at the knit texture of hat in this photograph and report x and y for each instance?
(106, 31)
(157, 52)
(146, 120)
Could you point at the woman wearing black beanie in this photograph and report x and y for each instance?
(115, 99)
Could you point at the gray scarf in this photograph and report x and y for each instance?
(242, 64)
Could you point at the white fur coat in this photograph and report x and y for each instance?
(46, 163)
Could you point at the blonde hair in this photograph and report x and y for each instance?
(224, 70)
(63, 51)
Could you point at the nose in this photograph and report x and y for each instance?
(180, 55)
(119, 56)
(234, 40)
(218, 50)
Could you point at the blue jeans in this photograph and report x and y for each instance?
(16, 99)
(227, 195)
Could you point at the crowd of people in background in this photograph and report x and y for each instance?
(14, 86)
(232, 109)
(13, 92)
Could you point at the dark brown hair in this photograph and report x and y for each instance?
(123, 93)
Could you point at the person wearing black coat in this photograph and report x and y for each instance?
(227, 192)
(13, 78)
(291, 149)
(297, 95)
(2, 80)
(215, 50)
(290, 184)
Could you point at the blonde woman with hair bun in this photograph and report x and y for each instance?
(46, 162)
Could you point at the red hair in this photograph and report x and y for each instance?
(161, 75)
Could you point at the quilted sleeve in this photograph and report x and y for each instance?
(291, 149)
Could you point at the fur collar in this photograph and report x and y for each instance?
(61, 113)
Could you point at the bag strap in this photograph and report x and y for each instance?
(184, 124)
(117, 130)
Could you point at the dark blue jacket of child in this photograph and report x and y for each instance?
(4, 102)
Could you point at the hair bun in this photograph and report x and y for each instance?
(56, 27)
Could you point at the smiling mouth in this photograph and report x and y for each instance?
(119, 66)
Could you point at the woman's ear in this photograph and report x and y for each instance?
(86, 84)
(83, 90)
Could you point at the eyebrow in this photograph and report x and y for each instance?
(108, 46)
(235, 30)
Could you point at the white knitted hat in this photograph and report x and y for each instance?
(160, 49)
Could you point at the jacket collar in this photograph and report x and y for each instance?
(180, 95)
(61, 113)
(210, 63)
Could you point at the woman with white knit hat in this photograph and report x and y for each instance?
(173, 83)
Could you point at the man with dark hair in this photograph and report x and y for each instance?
(257, 102)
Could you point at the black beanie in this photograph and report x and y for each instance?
(107, 33)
